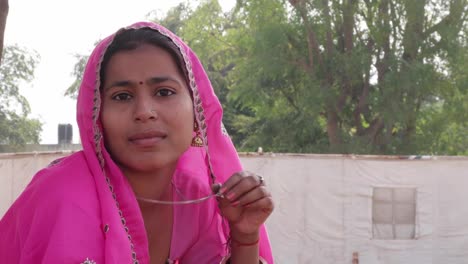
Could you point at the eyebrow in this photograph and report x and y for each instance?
(160, 79)
(152, 80)
(118, 84)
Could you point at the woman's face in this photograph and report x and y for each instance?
(147, 111)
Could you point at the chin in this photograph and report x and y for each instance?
(152, 164)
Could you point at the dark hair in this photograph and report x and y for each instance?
(130, 39)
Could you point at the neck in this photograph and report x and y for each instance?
(151, 184)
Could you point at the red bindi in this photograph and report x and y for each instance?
(141, 83)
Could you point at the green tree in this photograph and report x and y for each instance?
(370, 75)
(175, 17)
(77, 73)
(15, 127)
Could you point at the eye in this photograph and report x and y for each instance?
(164, 92)
(122, 97)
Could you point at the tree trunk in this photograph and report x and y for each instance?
(3, 16)
(412, 39)
(333, 130)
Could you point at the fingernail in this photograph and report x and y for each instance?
(230, 196)
(235, 204)
(223, 190)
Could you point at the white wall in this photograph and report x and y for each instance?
(324, 208)
(16, 170)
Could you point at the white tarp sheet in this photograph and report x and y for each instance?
(16, 170)
(324, 205)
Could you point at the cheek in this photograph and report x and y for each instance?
(112, 116)
(106, 121)
(185, 109)
(185, 118)
(110, 126)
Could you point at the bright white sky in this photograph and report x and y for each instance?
(57, 29)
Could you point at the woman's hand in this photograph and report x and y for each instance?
(246, 203)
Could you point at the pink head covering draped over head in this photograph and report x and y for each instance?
(97, 217)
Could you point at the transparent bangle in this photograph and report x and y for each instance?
(194, 201)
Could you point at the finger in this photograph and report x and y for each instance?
(265, 204)
(233, 181)
(252, 196)
(223, 202)
(243, 186)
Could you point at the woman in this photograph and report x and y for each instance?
(154, 148)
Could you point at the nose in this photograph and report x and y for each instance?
(145, 110)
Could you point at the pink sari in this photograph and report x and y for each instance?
(82, 209)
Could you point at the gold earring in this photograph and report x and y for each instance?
(197, 140)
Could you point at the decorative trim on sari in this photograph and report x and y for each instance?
(88, 261)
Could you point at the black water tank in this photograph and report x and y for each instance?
(65, 133)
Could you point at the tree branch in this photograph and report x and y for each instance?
(455, 14)
(348, 24)
(4, 7)
(412, 37)
(291, 101)
(312, 44)
(376, 125)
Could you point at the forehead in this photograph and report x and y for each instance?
(143, 54)
(143, 60)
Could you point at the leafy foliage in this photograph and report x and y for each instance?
(78, 70)
(371, 76)
(15, 127)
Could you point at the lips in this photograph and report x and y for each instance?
(147, 138)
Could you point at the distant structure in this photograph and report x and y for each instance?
(65, 134)
(65, 143)
(260, 150)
